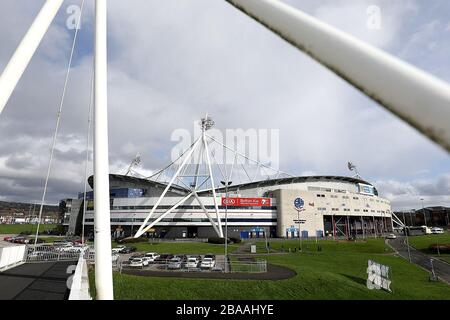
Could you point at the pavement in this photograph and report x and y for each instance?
(36, 281)
(441, 268)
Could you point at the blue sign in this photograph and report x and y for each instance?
(299, 203)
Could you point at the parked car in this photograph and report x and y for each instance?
(61, 243)
(20, 240)
(128, 250)
(135, 256)
(437, 230)
(175, 263)
(164, 258)
(33, 241)
(192, 262)
(8, 239)
(118, 249)
(151, 256)
(138, 263)
(391, 236)
(68, 247)
(207, 263)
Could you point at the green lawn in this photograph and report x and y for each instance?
(18, 228)
(181, 247)
(422, 243)
(336, 272)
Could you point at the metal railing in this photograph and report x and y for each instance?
(52, 252)
(259, 266)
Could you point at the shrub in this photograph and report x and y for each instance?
(217, 240)
(443, 248)
(235, 240)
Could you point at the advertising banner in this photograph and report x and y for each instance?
(246, 202)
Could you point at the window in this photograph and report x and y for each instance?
(320, 196)
(355, 198)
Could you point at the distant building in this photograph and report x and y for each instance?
(434, 216)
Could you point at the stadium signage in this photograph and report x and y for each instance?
(366, 189)
(246, 202)
(299, 204)
(378, 276)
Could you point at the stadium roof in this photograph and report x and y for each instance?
(146, 183)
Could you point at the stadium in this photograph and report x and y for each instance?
(333, 207)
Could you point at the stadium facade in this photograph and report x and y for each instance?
(323, 206)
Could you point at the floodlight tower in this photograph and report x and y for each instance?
(352, 167)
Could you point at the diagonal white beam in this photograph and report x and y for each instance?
(213, 188)
(417, 97)
(179, 203)
(188, 156)
(26, 49)
(207, 213)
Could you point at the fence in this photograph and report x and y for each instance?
(51, 252)
(259, 266)
(11, 256)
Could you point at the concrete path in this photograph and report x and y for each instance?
(441, 268)
(36, 281)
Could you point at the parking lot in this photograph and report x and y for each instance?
(172, 263)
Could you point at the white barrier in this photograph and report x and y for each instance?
(11, 256)
(79, 290)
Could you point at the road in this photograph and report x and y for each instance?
(36, 281)
(441, 269)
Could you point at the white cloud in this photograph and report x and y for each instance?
(173, 61)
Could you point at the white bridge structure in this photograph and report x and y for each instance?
(413, 95)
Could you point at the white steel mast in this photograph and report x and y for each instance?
(26, 49)
(102, 224)
(413, 95)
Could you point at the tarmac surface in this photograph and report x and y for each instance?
(36, 281)
(441, 268)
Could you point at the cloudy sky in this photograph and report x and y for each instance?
(172, 61)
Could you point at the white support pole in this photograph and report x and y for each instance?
(413, 95)
(213, 187)
(103, 259)
(26, 49)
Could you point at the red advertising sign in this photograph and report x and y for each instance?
(246, 202)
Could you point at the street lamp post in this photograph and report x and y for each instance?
(407, 244)
(299, 232)
(226, 184)
(423, 211)
(132, 223)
